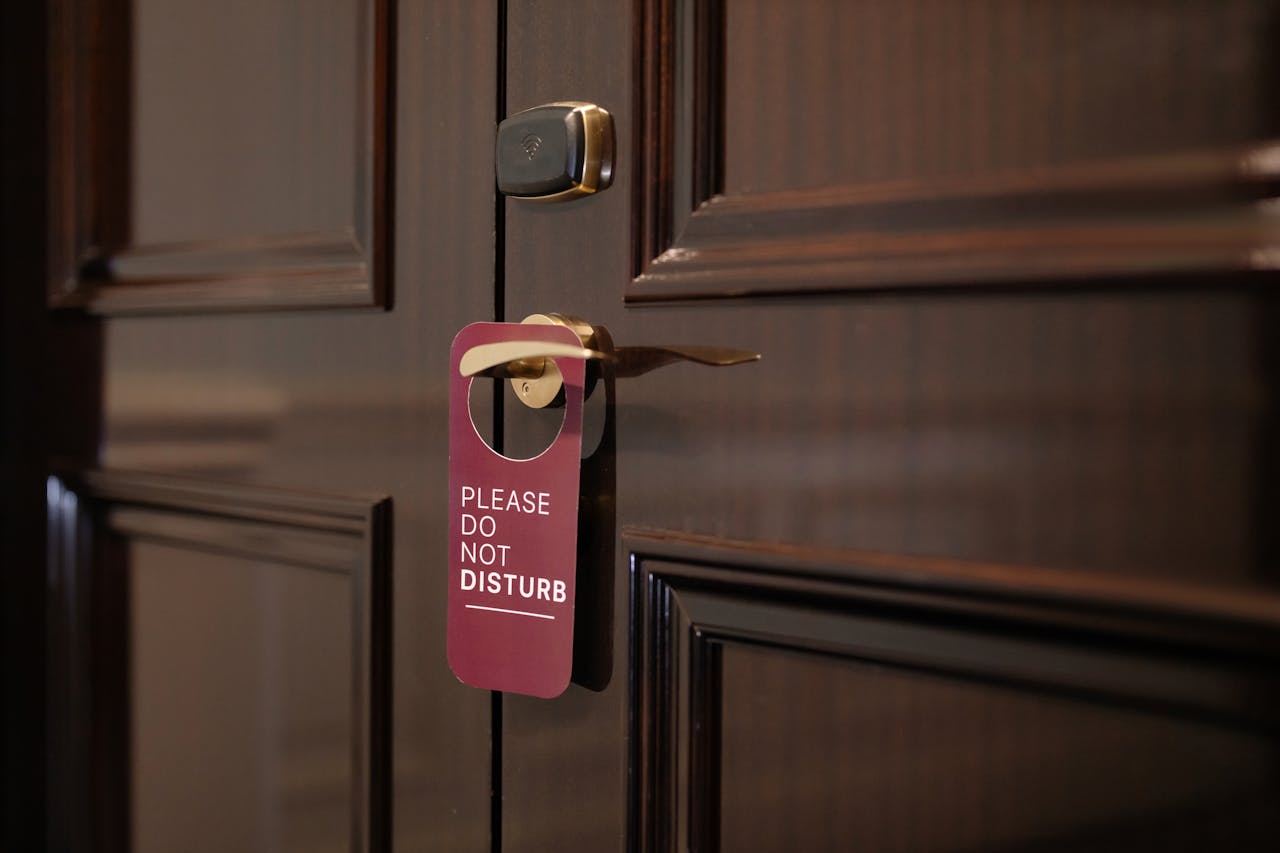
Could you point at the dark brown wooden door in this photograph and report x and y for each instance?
(281, 212)
(982, 555)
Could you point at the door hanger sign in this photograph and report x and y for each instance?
(513, 531)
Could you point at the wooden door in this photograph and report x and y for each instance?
(280, 213)
(982, 554)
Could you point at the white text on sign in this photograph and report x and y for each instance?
(479, 526)
(506, 500)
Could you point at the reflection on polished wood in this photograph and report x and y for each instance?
(164, 421)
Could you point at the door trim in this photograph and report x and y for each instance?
(1190, 212)
(92, 516)
(1175, 650)
(95, 262)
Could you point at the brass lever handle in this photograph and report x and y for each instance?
(519, 359)
(636, 361)
(536, 379)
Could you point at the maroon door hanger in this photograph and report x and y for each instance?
(513, 531)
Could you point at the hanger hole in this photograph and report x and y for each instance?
(528, 432)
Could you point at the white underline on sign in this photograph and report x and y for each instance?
(512, 612)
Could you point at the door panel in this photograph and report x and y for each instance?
(230, 646)
(235, 158)
(241, 706)
(840, 94)
(1065, 452)
(895, 759)
(864, 145)
(785, 697)
(292, 94)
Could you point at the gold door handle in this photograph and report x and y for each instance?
(635, 361)
(536, 379)
(518, 359)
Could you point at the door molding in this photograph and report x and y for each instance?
(92, 518)
(1173, 212)
(96, 262)
(1191, 653)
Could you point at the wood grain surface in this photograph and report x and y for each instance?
(1093, 408)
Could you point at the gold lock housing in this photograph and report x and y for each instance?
(537, 381)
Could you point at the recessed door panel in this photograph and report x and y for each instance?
(241, 700)
(819, 754)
